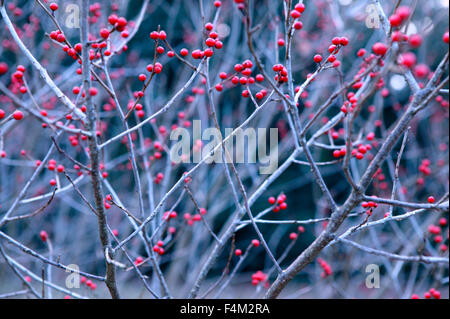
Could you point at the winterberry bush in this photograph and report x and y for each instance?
(94, 205)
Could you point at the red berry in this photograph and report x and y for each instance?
(344, 41)
(331, 58)
(317, 58)
(300, 7)
(403, 12)
(395, 20)
(104, 33)
(336, 41)
(255, 243)
(445, 37)
(209, 52)
(295, 14)
(18, 115)
(44, 236)
(93, 91)
(53, 6)
(154, 35)
(112, 19)
(298, 25)
(184, 52)
(408, 59)
(3, 68)
(431, 199)
(197, 54)
(436, 294)
(160, 50)
(139, 260)
(162, 35)
(209, 26)
(379, 48)
(415, 40)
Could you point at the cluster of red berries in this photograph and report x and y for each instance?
(52, 166)
(400, 16)
(73, 138)
(195, 218)
(259, 277)
(119, 23)
(370, 205)
(211, 42)
(279, 203)
(255, 243)
(159, 36)
(74, 52)
(93, 91)
(88, 283)
(327, 271)
(379, 180)
(294, 236)
(436, 232)
(58, 36)
(351, 104)
(281, 73)
(159, 177)
(333, 49)
(360, 152)
(424, 167)
(107, 201)
(245, 69)
(158, 152)
(297, 12)
(169, 215)
(17, 80)
(379, 49)
(427, 295)
(158, 248)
